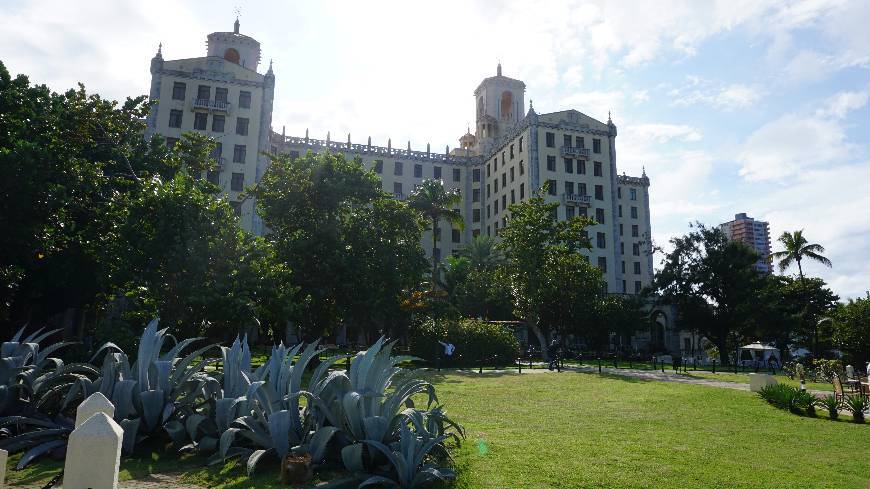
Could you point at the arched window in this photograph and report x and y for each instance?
(231, 55)
(507, 105)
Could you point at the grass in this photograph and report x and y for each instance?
(569, 430)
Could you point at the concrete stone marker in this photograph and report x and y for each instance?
(4, 455)
(93, 455)
(95, 403)
(759, 381)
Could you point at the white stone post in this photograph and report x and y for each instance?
(93, 455)
(4, 455)
(95, 403)
(760, 381)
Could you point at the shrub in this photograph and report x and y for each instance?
(806, 401)
(857, 404)
(476, 342)
(826, 369)
(780, 395)
(831, 404)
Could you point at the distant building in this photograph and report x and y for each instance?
(752, 233)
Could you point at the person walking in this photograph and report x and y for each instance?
(555, 353)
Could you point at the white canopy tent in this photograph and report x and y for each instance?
(758, 352)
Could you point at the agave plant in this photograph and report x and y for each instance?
(411, 462)
(30, 379)
(831, 403)
(857, 404)
(274, 424)
(38, 434)
(156, 392)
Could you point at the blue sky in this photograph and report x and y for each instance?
(732, 106)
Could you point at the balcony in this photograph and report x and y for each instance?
(211, 105)
(572, 152)
(576, 199)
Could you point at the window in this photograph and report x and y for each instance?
(487, 191)
(495, 185)
(203, 92)
(599, 216)
(521, 144)
(245, 99)
(475, 175)
(220, 95)
(495, 207)
(239, 151)
(475, 215)
(632, 193)
(512, 174)
(581, 167)
(581, 188)
(621, 248)
(620, 210)
(620, 229)
(437, 253)
(623, 266)
(569, 188)
(170, 142)
(397, 168)
(217, 123)
(566, 140)
(200, 121)
(512, 151)
(570, 212)
(504, 179)
(598, 171)
(602, 264)
(582, 211)
(522, 191)
(175, 117)
(379, 166)
(502, 159)
(475, 233)
(551, 187)
(294, 155)
(238, 182)
(599, 192)
(522, 168)
(457, 175)
(454, 235)
(581, 143)
(596, 145)
(217, 151)
(242, 126)
(635, 249)
(495, 164)
(623, 287)
(633, 212)
(178, 90)
(487, 214)
(237, 208)
(637, 286)
(397, 189)
(600, 240)
(504, 201)
(637, 267)
(551, 140)
(513, 197)
(213, 177)
(569, 165)
(475, 195)
(487, 170)
(418, 171)
(634, 231)
(618, 192)
(551, 163)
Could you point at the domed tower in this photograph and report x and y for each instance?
(499, 108)
(468, 140)
(234, 47)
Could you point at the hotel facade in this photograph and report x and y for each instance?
(512, 153)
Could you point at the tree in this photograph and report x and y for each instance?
(852, 330)
(619, 314)
(353, 249)
(790, 310)
(571, 293)
(437, 203)
(796, 249)
(535, 244)
(713, 283)
(482, 253)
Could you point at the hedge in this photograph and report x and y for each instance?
(477, 342)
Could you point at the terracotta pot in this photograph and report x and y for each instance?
(296, 469)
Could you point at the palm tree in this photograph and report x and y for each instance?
(796, 249)
(436, 203)
(482, 253)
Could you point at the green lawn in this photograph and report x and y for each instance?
(572, 430)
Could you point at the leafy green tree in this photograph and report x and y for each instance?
(536, 245)
(790, 310)
(437, 203)
(713, 283)
(796, 249)
(482, 253)
(852, 330)
(572, 290)
(619, 314)
(353, 249)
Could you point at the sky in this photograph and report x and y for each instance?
(730, 106)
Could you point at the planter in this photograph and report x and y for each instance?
(296, 469)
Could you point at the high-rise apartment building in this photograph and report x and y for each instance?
(754, 234)
(512, 153)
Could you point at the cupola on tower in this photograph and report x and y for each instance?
(499, 106)
(235, 47)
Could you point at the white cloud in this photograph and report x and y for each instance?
(842, 103)
(661, 133)
(722, 97)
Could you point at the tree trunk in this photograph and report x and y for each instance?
(434, 258)
(722, 347)
(542, 339)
